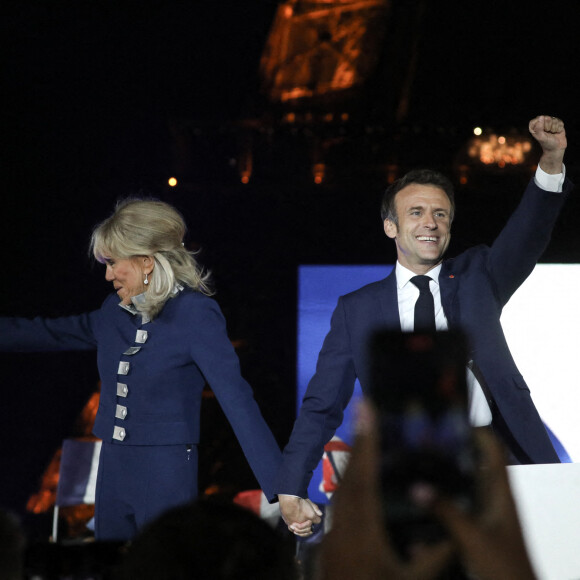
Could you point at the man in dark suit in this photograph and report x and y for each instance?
(468, 292)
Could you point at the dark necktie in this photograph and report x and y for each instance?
(424, 307)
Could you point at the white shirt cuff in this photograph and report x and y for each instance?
(550, 182)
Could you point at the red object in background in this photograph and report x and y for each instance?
(334, 462)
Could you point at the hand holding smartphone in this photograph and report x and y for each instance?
(418, 385)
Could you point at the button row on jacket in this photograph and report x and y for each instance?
(121, 411)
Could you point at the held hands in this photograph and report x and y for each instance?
(549, 132)
(299, 514)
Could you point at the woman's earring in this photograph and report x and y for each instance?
(146, 281)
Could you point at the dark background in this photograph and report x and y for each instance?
(108, 99)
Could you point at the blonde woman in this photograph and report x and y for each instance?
(159, 338)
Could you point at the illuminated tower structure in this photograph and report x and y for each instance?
(340, 70)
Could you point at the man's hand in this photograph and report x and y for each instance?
(550, 134)
(299, 514)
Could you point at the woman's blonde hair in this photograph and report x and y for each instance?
(140, 227)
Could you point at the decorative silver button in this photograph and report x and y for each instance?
(120, 412)
(141, 336)
(132, 350)
(119, 433)
(124, 367)
(122, 390)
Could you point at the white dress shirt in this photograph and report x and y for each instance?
(407, 294)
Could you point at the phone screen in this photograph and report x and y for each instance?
(418, 383)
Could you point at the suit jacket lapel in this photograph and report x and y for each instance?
(389, 302)
(448, 287)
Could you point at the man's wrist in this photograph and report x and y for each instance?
(287, 496)
(552, 163)
(550, 181)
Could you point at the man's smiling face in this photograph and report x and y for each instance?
(424, 229)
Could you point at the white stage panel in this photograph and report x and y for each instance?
(548, 502)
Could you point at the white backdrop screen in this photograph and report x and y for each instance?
(541, 323)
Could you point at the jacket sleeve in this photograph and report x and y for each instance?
(49, 334)
(322, 410)
(216, 358)
(524, 238)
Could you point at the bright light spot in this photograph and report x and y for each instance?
(477, 131)
(499, 150)
(318, 172)
(172, 181)
(245, 179)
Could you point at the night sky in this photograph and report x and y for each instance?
(92, 92)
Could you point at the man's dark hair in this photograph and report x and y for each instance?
(420, 176)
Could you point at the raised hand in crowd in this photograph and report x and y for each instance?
(489, 545)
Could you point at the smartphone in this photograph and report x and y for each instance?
(418, 384)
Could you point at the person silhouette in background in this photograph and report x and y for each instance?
(489, 545)
(207, 540)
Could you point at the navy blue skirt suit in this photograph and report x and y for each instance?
(152, 377)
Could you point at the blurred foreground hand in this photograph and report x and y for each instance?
(490, 545)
